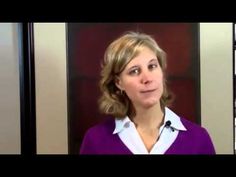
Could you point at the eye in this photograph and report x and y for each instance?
(152, 66)
(134, 71)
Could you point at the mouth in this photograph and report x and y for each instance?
(148, 91)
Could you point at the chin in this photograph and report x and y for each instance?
(150, 103)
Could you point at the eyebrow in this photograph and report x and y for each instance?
(135, 66)
(154, 59)
(132, 67)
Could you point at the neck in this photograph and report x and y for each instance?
(150, 118)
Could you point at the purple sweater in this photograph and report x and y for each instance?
(100, 140)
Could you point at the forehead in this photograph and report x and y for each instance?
(144, 55)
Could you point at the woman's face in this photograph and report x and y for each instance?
(142, 79)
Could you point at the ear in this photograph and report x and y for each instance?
(118, 83)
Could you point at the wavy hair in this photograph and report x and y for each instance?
(118, 54)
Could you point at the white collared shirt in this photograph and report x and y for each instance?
(129, 135)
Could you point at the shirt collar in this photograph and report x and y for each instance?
(120, 124)
(176, 123)
(174, 119)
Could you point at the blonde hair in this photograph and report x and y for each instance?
(118, 54)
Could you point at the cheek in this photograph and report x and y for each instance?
(162, 83)
(159, 79)
(130, 87)
(162, 80)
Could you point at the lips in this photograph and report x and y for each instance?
(148, 91)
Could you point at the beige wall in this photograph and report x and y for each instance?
(217, 83)
(9, 90)
(51, 88)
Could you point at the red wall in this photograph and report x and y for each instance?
(86, 45)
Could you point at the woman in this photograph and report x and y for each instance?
(135, 95)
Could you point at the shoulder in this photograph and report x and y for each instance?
(102, 129)
(179, 121)
(95, 137)
(191, 125)
(198, 136)
(194, 128)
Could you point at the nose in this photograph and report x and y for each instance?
(146, 77)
